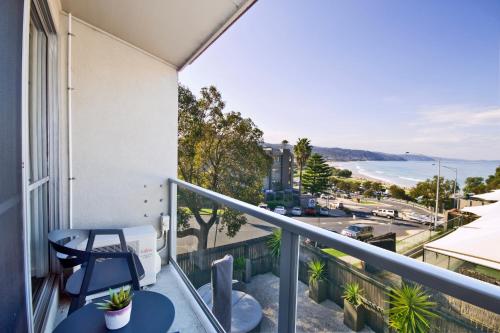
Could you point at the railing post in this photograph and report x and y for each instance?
(289, 275)
(172, 212)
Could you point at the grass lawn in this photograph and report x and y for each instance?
(489, 272)
(334, 253)
(369, 203)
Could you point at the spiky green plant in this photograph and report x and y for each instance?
(316, 271)
(117, 300)
(239, 264)
(410, 309)
(274, 243)
(353, 294)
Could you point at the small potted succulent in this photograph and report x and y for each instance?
(354, 311)
(117, 308)
(318, 288)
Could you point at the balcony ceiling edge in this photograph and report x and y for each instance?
(175, 31)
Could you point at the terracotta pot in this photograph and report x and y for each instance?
(119, 318)
(354, 317)
(318, 290)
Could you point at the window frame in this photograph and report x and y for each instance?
(38, 16)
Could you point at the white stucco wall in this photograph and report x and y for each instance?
(124, 130)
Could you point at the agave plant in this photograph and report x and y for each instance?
(117, 300)
(316, 271)
(239, 264)
(274, 243)
(353, 294)
(410, 309)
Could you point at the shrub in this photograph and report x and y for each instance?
(316, 271)
(410, 310)
(239, 264)
(353, 294)
(274, 243)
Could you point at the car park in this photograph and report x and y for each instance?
(296, 211)
(389, 213)
(358, 231)
(280, 210)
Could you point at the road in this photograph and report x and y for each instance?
(362, 214)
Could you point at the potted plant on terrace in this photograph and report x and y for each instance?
(410, 309)
(318, 288)
(117, 308)
(239, 268)
(274, 245)
(354, 310)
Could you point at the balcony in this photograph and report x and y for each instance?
(280, 283)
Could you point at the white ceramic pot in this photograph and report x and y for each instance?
(119, 318)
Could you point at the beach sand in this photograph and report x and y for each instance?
(357, 175)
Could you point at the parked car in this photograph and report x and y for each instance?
(389, 213)
(339, 205)
(310, 211)
(323, 211)
(263, 206)
(280, 210)
(358, 231)
(296, 211)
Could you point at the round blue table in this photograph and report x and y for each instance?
(151, 312)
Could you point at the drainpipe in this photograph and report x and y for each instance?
(70, 132)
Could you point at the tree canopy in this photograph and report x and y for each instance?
(221, 152)
(317, 173)
(478, 185)
(425, 192)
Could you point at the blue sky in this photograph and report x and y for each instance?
(385, 75)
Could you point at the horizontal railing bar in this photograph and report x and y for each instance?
(468, 289)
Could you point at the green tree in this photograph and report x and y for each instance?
(398, 192)
(344, 173)
(493, 181)
(425, 192)
(317, 175)
(475, 185)
(221, 152)
(302, 151)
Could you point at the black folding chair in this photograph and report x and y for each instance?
(100, 269)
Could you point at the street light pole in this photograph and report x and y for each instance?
(437, 194)
(455, 183)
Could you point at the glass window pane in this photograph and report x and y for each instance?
(207, 232)
(38, 118)
(38, 222)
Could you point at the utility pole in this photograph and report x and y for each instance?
(437, 194)
(455, 183)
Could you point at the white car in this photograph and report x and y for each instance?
(280, 210)
(389, 213)
(296, 211)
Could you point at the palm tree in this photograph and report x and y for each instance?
(302, 151)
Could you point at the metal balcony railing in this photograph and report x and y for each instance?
(467, 289)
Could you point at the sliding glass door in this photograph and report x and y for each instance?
(38, 161)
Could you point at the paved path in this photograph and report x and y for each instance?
(326, 317)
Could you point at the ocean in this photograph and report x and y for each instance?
(409, 173)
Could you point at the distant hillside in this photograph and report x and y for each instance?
(341, 154)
